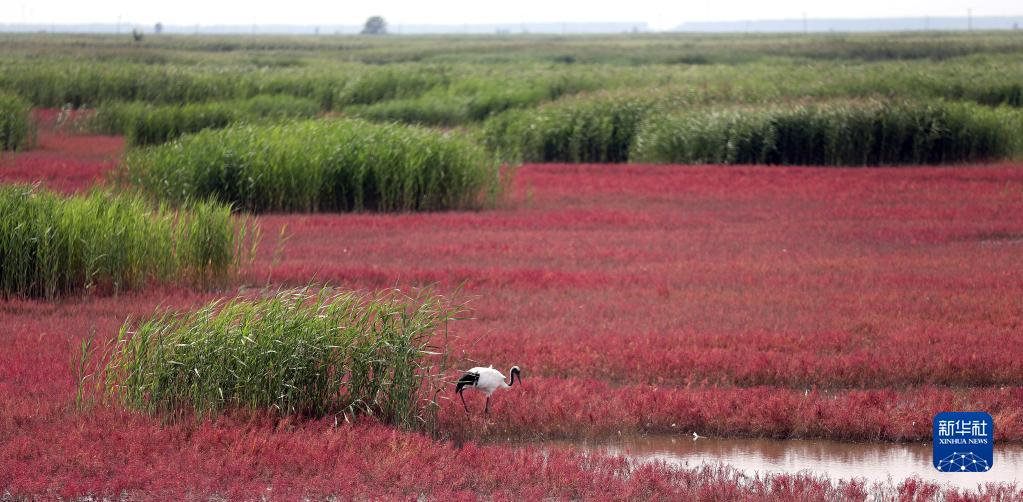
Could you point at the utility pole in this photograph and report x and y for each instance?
(805, 28)
(118, 25)
(969, 19)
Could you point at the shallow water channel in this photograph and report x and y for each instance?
(837, 460)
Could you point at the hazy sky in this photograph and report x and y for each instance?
(658, 14)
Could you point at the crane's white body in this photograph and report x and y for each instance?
(490, 380)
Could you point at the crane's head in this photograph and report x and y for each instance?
(515, 373)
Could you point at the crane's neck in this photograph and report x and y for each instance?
(514, 373)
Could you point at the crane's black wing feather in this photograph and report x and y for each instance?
(469, 379)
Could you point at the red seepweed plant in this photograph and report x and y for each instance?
(845, 304)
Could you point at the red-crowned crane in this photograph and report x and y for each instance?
(485, 380)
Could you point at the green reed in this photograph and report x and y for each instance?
(16, 128)
(588, 129)
(53, 246)
(300, 352)
(832, 134)
(324, 165)
(146, 124)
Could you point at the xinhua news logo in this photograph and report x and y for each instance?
(964, 441)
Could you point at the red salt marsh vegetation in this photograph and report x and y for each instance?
(59, 160)
(781, 302)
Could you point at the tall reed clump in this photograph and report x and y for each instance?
(15, 122)
(52, 246)
(854, 134)
(297, 352)
(146, 124)
(325, 165)
(576, 130)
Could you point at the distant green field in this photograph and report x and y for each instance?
(531, 97)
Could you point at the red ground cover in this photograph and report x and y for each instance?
(783, 302)
(61, 161)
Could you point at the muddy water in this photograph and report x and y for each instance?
(837, 460)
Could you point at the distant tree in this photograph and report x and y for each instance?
(158, 29)
(136, 34)
(375, 25)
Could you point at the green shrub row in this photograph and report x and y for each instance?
(679, 125)
(332, 86)
(53, 83)
(325, 165)
(146, 124)
(854, 134)
(58, 83)
(473, 99)
(52, 246)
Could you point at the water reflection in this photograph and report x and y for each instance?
(837, 460)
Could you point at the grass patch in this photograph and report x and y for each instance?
(854, 134)
(473, 98)
(15, 123)
(425, 110)
(325, 165)
(52, 246)
(297, 352)
(146, 124)
(373, 86)
(577, 130)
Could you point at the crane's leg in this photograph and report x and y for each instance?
(463, 402)
(487, 409)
